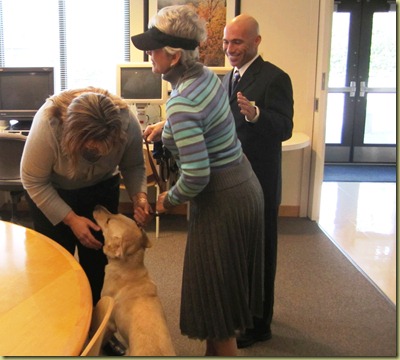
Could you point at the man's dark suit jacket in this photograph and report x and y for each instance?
(271, 89)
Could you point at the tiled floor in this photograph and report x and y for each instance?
(361, 219)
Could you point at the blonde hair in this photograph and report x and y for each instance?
(88, 114)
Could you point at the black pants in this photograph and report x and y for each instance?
(83, 202)
(271, 250)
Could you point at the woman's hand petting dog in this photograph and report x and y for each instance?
(81, 227)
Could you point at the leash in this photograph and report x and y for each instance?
(157, 178)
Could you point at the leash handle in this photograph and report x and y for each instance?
(160, 184)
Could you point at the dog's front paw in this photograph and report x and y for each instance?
(114, 347)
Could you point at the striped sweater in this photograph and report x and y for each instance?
(199, 132)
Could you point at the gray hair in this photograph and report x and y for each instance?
(181, 21)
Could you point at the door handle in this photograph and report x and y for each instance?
(363, 88)
(353, 88)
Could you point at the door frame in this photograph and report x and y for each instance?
(352, 148)
(326, 8)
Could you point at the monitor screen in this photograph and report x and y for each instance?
(137, 84)
(24, 90)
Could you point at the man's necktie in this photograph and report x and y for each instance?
(236, 78)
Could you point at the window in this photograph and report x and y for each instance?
(83, 40)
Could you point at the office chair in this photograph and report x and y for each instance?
(12, 146)
(98, 326)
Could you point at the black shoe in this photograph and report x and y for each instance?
(114, 347)
(250, 337)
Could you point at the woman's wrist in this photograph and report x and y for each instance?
(139, 199)
(68, 219)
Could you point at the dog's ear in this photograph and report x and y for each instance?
(146, 241)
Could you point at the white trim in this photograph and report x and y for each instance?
(318, 136)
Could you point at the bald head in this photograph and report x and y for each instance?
(247, 23)
(241, 40)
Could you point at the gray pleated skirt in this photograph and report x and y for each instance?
(222, 286)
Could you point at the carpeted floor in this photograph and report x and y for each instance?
(360, 173)
(324, 306)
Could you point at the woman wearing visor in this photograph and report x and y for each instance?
(222, 274)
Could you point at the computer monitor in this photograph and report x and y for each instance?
(137, 84)
(23, 90)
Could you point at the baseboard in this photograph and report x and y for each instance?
(284, 210)
(126, 208)
(178, 210)
(289, 211)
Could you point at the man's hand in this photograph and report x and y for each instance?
(247, 107)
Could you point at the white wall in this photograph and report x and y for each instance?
(289, 31)
(291, 39)
(295, 37)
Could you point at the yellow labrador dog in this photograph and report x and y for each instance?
(138, 315)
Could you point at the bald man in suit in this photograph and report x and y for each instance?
(261, 100)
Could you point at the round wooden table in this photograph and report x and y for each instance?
(45, 297)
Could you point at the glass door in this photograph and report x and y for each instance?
(361, 110)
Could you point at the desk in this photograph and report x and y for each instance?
(45, 301)
(297, 141)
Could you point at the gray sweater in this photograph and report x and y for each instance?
(44, 168)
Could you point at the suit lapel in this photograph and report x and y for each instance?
(248, 77)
